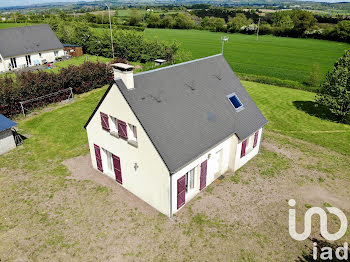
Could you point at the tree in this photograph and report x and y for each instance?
(168, 21)
(335, 91)
(282, 20)
(135, 18)
(314, 77)
(218, 24)
(153, 20)
(236, 23)
(303, 20)
(342, 30)
(183, 21)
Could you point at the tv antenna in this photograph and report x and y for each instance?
(223, 40)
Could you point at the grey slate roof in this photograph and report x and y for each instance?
(5, 123)
(185, 111)
(28, 39)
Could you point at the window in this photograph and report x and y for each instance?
(28, 60)
(40, 55)
(114, 126)
(13, 62)
(109, 160)
(132, 133)
(256, 135)
(237, 104)
(190, 176)
(55, 53)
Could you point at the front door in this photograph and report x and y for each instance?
(203, 176)
(98, 158)
(117, 169)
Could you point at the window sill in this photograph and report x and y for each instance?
(113, 133)
(133, 143)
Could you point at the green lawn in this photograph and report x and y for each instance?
(279, 57)
(292, 112)
(8, 25)
(77, 61)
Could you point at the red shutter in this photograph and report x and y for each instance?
(104, 121)
(117, 169)
(256, 135)
(98, 158)
(244, 145)
(181, 191)
(203, 176)
(122, 130)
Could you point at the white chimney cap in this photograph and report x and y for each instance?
(122, 67)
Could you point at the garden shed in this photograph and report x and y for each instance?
(7, 140)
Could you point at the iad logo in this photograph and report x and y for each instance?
(323, 228)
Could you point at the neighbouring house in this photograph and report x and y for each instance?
(166, 134)
(7, 140)
(28, 46)
(73, 50)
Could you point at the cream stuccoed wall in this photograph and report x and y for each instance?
(227, 151)
(49, 56)
(250, 151)
(151, 180)
(7, 141)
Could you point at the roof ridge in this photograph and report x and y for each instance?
(25, 26)
(171, 66)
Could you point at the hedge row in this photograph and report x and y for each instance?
(29, 85)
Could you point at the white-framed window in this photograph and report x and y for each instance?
(40, 55)
(114, 125)
(132, 133)
(190, 180)
(108, 160)
(13, 62)
(55, 53)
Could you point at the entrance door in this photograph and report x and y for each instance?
(203, 176)
(181, 191)
(117, 169)
(98, 158)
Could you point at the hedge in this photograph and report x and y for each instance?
(29, 85)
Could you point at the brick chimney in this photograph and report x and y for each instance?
(124, 71)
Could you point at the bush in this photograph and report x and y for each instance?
(314, 78)
(29, 85)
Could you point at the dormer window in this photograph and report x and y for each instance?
(236, 103)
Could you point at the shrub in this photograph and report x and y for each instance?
(29, 85)
(335, 91)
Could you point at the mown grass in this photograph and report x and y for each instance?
(278, 57)
(293, 113)
(9, 25)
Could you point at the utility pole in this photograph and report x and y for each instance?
(223, 40)
(257, 31)
(110, 27)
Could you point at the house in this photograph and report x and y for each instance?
(7, 140)
(166, 134)
(73, 50)
(28, 46)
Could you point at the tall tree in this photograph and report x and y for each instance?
(335, 91)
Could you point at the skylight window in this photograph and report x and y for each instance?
(237, 104)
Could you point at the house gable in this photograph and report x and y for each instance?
(143, 170)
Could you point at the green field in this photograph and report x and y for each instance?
(8, 25)
(279, 57)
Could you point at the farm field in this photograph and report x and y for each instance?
(279, 57)
(8, 25)
(55, 207)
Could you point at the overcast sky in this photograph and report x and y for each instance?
(7, 3)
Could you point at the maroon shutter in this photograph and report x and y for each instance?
(256, 135)
(122, 130)
(98, 157)
(203, 177)
(181, 191)
(104, 121)
(244, 145)
(117, 169)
